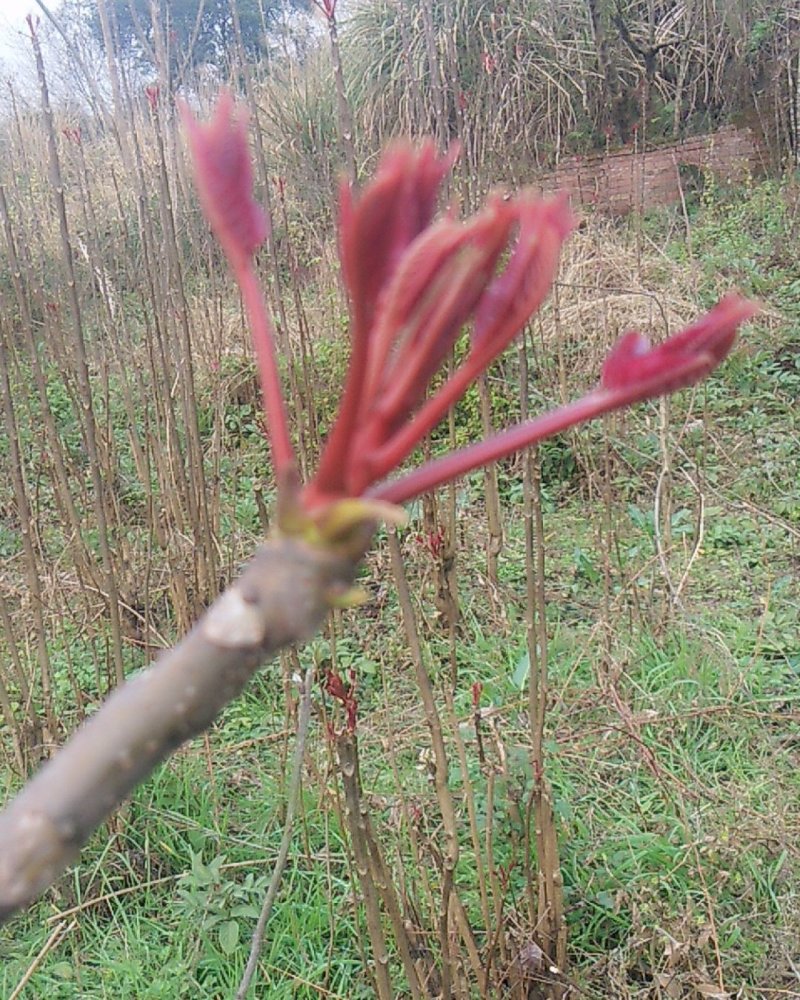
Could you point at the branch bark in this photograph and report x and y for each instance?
(281, 598)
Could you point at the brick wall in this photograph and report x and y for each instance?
(626, 181)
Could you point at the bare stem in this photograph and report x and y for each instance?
(281, 598)
(441, 774)
(288, 829)
(347, 749)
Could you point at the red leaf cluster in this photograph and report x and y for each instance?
(415, 284)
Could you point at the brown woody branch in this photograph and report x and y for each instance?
(281, 598)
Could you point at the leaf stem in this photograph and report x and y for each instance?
(263, 335)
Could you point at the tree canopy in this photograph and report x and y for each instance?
(194, 32)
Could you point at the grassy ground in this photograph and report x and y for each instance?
(674, 736)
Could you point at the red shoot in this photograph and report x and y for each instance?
(345, 694)
(638, 371)
(415, 283)
(328, 8)
(152, 93)
(224, 179)
(632, 372)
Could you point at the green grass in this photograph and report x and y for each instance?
(673, 731)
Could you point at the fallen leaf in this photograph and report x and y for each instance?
(713, 991)
(670, 985)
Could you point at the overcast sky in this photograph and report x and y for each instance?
(13, 12)
(12, 24)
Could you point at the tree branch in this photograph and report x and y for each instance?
(281, 598)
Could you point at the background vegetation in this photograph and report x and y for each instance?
(642, 572)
